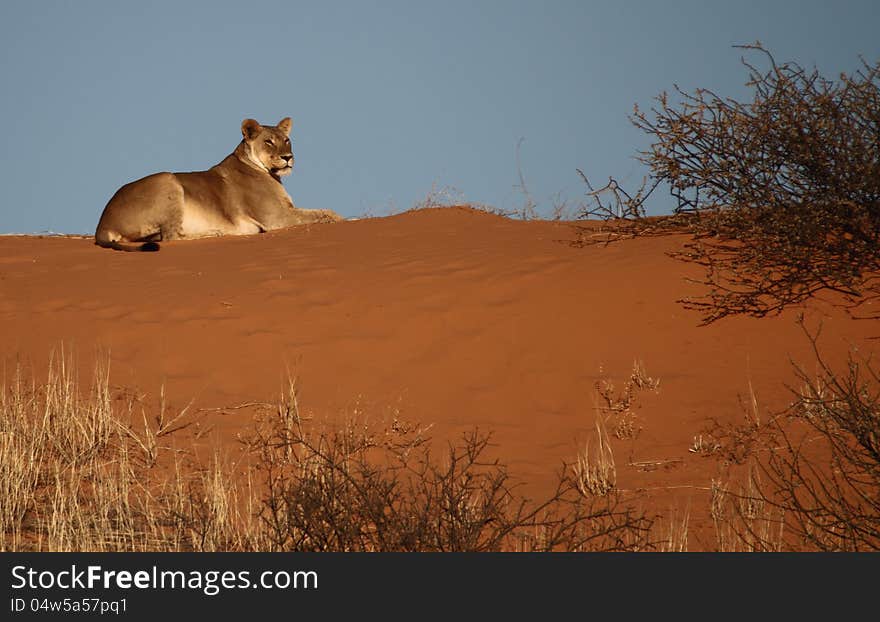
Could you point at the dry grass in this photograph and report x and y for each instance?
(704, 445)
(594, 470)
(743, 520)
(619, 407)
(72, 475)
(674, 535)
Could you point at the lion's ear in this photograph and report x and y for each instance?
(285, 124)
(250, 128)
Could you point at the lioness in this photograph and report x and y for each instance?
(241, 195)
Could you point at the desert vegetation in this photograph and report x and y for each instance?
(98, 470)
(810, 476)
(86, 471)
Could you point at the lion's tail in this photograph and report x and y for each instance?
(107, 240)
(145, 247)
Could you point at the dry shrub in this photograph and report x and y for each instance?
(356, 488)
(812, 472)
(824, 473)
(737, 442)
(781, 194)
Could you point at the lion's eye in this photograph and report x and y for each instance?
(269, 142)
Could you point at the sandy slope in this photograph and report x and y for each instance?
(453, 317)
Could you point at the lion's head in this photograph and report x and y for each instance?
(269, 146)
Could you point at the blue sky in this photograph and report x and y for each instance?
(388, 99)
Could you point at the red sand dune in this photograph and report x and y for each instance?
(454, 317)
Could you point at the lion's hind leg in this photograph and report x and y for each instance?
(318, 216)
